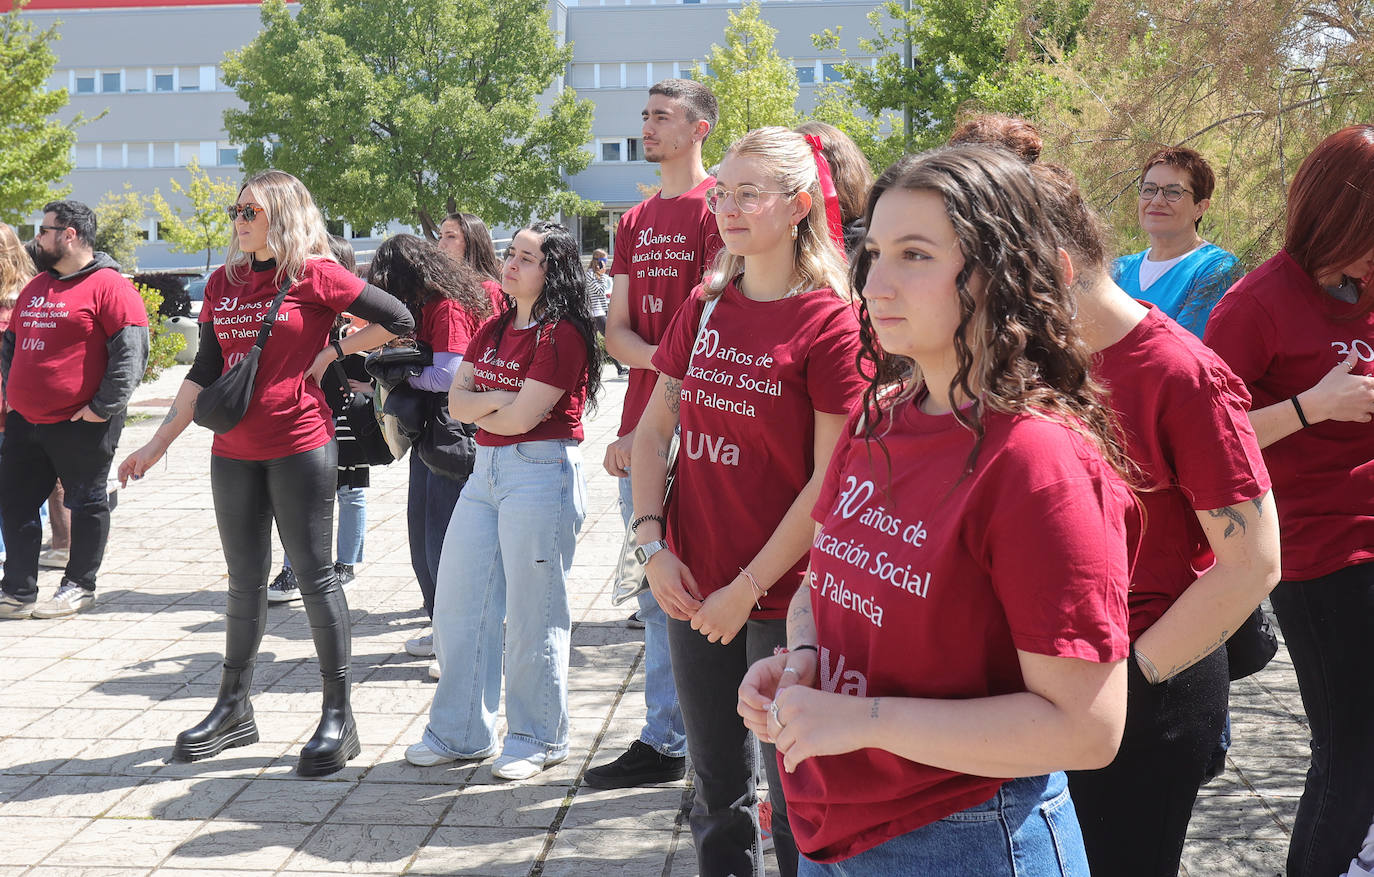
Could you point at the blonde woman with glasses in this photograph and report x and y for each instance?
(758, 370)
(279, 461)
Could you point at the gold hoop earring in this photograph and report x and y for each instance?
(794, 232)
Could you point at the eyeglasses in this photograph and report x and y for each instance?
(249, 212)
(1148, 191)
(52, 228)
(747, 197)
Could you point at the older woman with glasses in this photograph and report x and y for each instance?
(1180, 273)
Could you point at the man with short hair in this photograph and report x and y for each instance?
(76, 348)
(662, 248)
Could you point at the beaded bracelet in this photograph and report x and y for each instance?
(642, 518)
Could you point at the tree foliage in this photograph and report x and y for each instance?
(35, 148)
(119, 227)
(754, 85)
(163, 344)
(402, 110)
(205, 225)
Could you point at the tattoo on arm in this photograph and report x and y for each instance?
(1259, 503)
(465, 382)
(171, 414)
(1234, 519)
(873, 710)
(1179, 668)
(672, 394)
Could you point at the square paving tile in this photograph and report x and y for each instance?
(487, 851)
(222, 845)
(122, 843)
(360, 849)
(177, 799)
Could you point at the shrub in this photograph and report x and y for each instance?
(162, 345)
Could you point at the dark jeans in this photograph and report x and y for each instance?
(298, 491)
(1326, 624)
(33, 458)
(1134, 812)
(429, 506)
(724, 753)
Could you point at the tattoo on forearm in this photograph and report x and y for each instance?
(1179, 668)
(672, 394)
(465, 382)
(1259, 503)
(171, 415)
(873, 710)
(547, 411)
(1234, 518)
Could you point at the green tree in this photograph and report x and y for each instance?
(119, 227)
(35, 148)
(206, 225)
(163, 345)
(754, 85)
(392, 111)
(985, 52)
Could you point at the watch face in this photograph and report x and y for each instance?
(641, 555)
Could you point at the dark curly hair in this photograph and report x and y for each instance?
(564, 297)
(1015, 345)
(415, 271)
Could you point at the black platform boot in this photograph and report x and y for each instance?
(229, 724)
(335, 741)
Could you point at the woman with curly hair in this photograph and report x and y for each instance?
(448, 303)
(280, 461)
(962, 641)
(525, 380)
(757, 368)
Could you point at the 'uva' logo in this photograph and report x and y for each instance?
(713, 447)
(839, 679)
(651, 304)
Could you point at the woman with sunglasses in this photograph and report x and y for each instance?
(1299, 330)
(963, 638)
(1180, 273)
(757, 368)
(527, 376)
(280, 461)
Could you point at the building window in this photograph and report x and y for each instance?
(833, 73)
(189, 79)
(229, 156)
(160, 229)
(334, 226)
(632, 149)
(109, 83)
(806, 75)
(610, 150)
(85, 85)
(582, 75)
(163, 82)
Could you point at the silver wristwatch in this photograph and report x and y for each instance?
(648, 550)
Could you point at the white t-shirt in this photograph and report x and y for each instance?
(1152, 271)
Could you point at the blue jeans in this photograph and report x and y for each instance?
(663, 726)
(429, 505)
(352, 504)
(1027, 829)
(506, 558)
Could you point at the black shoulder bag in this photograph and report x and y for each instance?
(221, 406)
(359, 411)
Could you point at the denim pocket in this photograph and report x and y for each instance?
(546, 451)
(1067, 837)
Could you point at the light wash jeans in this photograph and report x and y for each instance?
(1028, 829)
(352, 505)
(506, 558)
(663, 726)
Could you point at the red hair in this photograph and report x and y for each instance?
(1331, 204)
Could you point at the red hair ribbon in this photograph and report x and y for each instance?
(832, 199)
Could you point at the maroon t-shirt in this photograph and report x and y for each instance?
(925, 584)
(498, 298)
(288, 413)
(1186, 419)
(446, 326)
(1281, 334)
(60, 329)
(663, 245)
(749, 397)
(555, 355)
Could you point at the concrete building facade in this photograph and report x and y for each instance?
(148, 72)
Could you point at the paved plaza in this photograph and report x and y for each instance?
(89, 707)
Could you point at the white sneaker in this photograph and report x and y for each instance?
(421, 646)
(70, 599)
(13, 607)
(434, 670)
(508, 767)
(420, 755)
(54, 558)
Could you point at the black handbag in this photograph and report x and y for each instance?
(361, 415)
(221, 406)
(1252, 646)
(447, 446)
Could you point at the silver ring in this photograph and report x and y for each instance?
(773, 711)
(792, 670)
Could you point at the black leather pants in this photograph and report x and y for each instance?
(298, 492)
